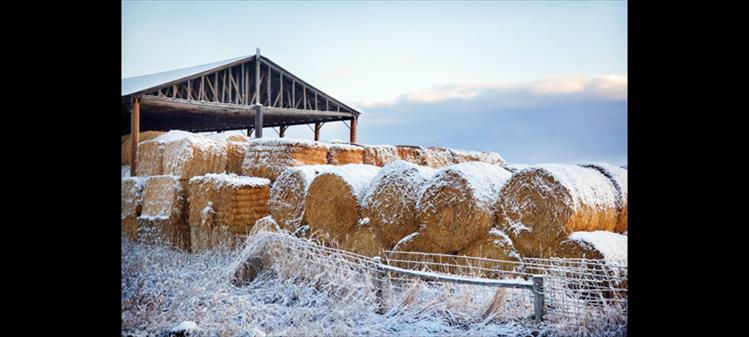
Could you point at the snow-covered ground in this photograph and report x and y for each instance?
(165, 291)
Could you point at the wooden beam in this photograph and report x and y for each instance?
(353, 131)
(293, 93)
(281, 90)
(318, 126)
(268, 85)
(257, 77)
(202, 91)
(134, 136)
(316, 101)
(215, 84)
(304, 89)
(258, 110)
(249, 132)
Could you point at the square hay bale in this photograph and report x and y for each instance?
(131, 202)
(268, 158)
(150, 158)
(236, 149)
(194, 155)
(380, 155)
(340, 154)
(225, 206)
(163, 219)
(413, 154)
(439, 157)
(126, 141)
(462, 156)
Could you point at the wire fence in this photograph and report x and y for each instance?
(577, 290)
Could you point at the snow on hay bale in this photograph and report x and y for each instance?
(457, 205)
(438, 157)
(223, 206)
(516, 167)
(126, 142)
(236, 149)
(334, 198)
(362, 241)
(265, 224)
(618, 177)
(188, 155)
(288, 194)
(541, 204)
(593, 245)
(496, 246)
(132, 202)
(462, 156)
(268, 158)
(163, 216)
(150, 158)
(380, 155)
(412, 153)
(340, 154)
(390, 201)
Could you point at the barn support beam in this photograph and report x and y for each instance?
(258, 110)
(318, 126)
(134, 136)
(249, 132)
(283, 131)
(353, 130)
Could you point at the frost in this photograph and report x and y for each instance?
(613, 246)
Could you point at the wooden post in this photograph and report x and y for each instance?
(538, 297)
(353, 131)
(283, 131)
(134, 136)
(257, 77)
(318, 125)
(258, 121)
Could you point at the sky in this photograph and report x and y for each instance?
(537, 81)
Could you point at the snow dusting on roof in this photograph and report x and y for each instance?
(139, 83)
(232, 180)
(612, 245)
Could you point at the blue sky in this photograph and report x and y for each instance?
(535, 81)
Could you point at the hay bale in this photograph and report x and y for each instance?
(413, 154)
(132, 202)
(223, 206)
(189, 155)
(463, 156)
(265, 224)
(150, 158)
(334, 198)
(496, 245)
(416, 242)
(380, 155)
(126, 140)
(438, 157)
(288, 194)
(542, 204)
(163, 219)
(340, 154)
(268, 158)
(618, 177)
(516, 167)
(389, 205)
(592, 245)
(362, 241)
(457, 206)
(236, 150)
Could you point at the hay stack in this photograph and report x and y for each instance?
(416, 242)
(362, 241)
(457, 206)
(224, 206)
(132, 202)
(438, 157)
(150, 158)
(592, 245)
(390, 200)
(340, 154)
(496, 246)
(288, 194)
(268, 158)
(126, 140)
(618, 177)
(516, 167)
(265, 224)
(380, 155)
(236, 149)
(163, 218)
(334, 198)
(542, 204)
(414, 154)
(189, 155)
(463, 156)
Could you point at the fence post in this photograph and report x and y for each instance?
(380, 285)
(538, 296)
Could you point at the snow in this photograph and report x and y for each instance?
(138, 83)
(309, 172)
(186, 326)
(223, 137)
(485, 180)
(613, 246)
(178, 135)
(345, 147)
(357, 176)
(275, 142)
(125, 171)
(516, 167)
(616, 174)
(232, 180)
(586, 186)
(406, 174)
(458, 278)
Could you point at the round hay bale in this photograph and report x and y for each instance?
(412, 153)
(268, 158)
(340, 154)
(390, 200)
(495, 246)
(333, 199)
(265, 224)
(438, 157)
(126, 140)
(416, 242)
(618, 177)
(380, 155)
(541, 205)
(592, 245)
(457, 206)
(288, 194)
(362, 241)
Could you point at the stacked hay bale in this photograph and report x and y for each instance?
(380, 155)
(224, 207)
(192, 155)
(340, 154)
(592, 245)
(462, 156)
(333, 203)
(541, 205)
(126, 142)
(438, 157)
(163, 216)
(268, 158)
(150, 158)
(516, 167)
(236, 149)
(496, 245)
(389, 204)
(618, 177)
(287, 196)
(362, 241)
(458, 204)
(414, 154)
(265, 224)
(132, 203)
